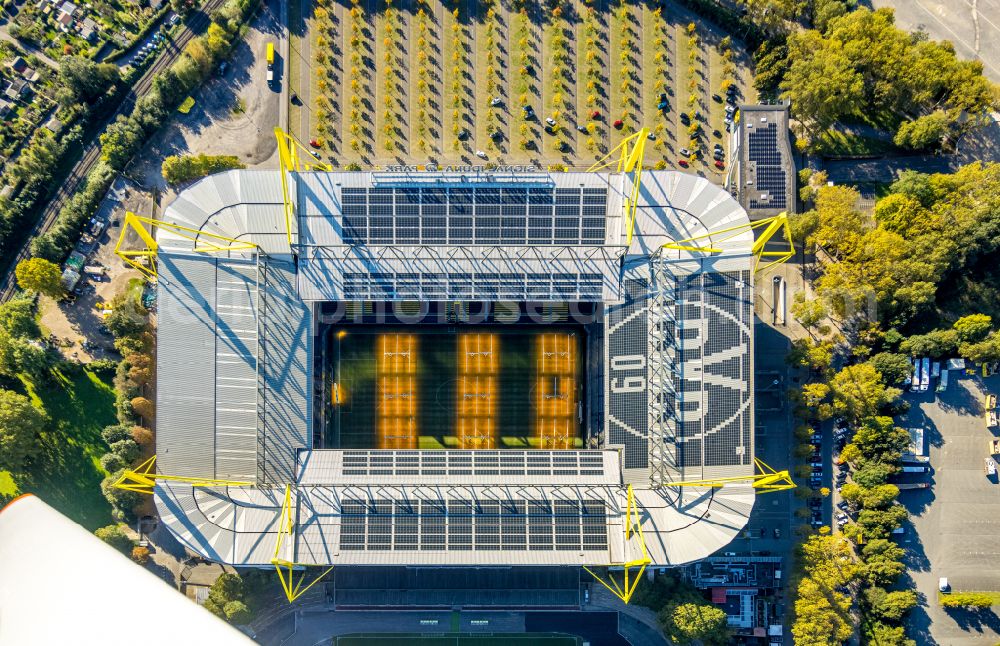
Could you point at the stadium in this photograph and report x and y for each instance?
(465, 369)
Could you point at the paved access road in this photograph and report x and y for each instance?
(196, 24)
(955, 529)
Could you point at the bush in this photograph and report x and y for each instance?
(184, 168)
(114, 536)
(140, 555)
(122, 501)
(103, 365)
(237, 612)
(127, 450)
(111, 462)
(967, 600)
(143, 407)
(116, 433)
(142, 436)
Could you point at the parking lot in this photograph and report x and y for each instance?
(955, 524)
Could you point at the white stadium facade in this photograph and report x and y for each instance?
(241, 397)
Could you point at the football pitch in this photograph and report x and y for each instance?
(435, 387)
(456, 640)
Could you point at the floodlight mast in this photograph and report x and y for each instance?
(630, 154)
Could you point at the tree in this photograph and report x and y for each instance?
(226, 589)
(823, 11)
(17, 317)
(970, 329)
(120, 141)
(40, 275)
(878, 523)
(140, 554)
(808, 312)
(237, 612)
(858, 391)
(771, 15)
(878, 439)
(84, 80)
(934, 344)
(822, 615)
(986, 350)
(872, 473)
(894, 368)
(114, 536)
(927, 131)
(890, 606)
(915, 184)
(20, 424)
(883, 635)
(127, 317)
(699, 621)
(821, 80)
(840, 225)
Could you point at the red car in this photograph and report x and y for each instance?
(618, 124)
(719, 164)
(683, 162)
(314, 143)
(596, 114)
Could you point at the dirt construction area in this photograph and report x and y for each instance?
(235, 112)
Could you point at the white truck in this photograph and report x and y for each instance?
(991, 467)
(925, 374)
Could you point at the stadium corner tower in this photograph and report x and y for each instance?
(476, 369)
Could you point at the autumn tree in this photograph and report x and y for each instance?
(859, 392)
(40, 275)
(20, 425)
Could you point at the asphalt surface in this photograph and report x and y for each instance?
(196, 24)
(955, 524)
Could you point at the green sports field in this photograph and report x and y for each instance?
(438, 386)
(456, 640)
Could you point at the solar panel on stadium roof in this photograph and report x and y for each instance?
(763, 150)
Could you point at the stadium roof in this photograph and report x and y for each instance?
(236, 363)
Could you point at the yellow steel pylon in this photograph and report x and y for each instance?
(626, 589)
(288, 160)
(143, 478)
(287, 570)
(766, 481)
(630, 153)
(205, 242)
(715, 244)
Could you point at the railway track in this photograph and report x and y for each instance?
(92, 152)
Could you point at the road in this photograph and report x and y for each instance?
(195, 25)
(27, 47)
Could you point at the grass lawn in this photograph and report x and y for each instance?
(66, 470)
(835, 143)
